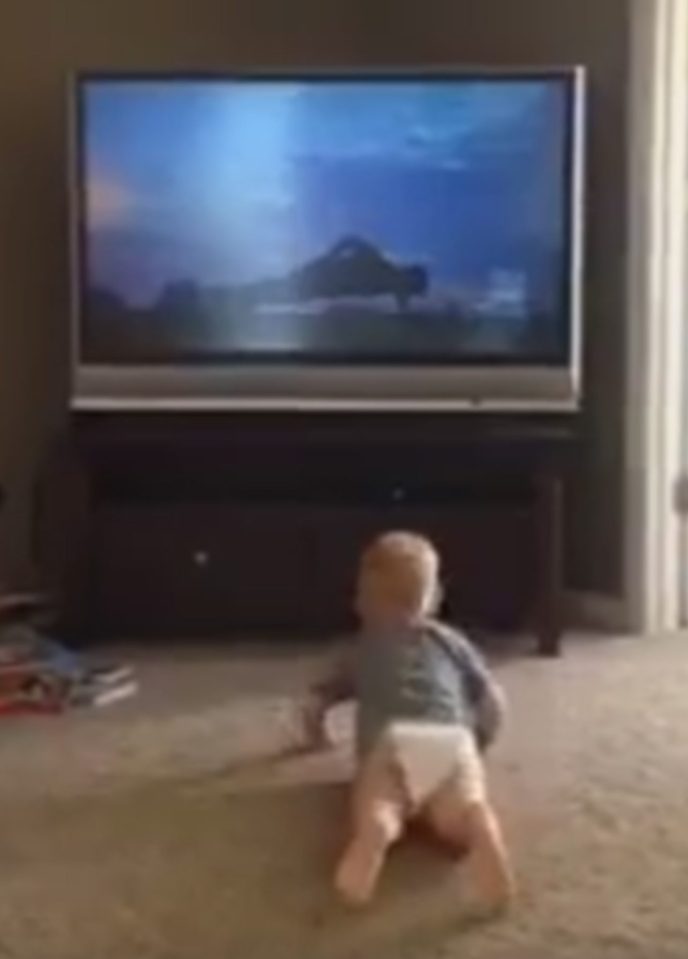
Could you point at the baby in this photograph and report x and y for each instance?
(427, 706)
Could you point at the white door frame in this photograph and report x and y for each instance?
(656, 302)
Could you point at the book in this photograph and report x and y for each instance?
(99, 694)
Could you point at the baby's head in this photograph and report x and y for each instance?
(398, 579)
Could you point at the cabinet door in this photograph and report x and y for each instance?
(336, 536)
(179, 569)
(264, 555)
(489, 560)
(144, 576)
(488, 555)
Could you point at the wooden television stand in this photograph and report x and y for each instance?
(207, 523)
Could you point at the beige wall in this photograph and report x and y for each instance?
(42, 40)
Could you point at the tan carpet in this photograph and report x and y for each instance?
(125, 836)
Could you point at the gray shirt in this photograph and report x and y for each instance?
(427, 672)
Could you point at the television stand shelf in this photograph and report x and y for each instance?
(204, 524)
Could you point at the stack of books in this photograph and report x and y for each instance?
(53, 683)
(103, 685)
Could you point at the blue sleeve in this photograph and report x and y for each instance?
(471, 666)
(485, 696)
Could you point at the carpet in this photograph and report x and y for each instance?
(142, 832)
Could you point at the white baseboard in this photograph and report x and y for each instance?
(596, 611)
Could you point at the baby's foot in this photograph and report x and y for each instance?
(482, 900)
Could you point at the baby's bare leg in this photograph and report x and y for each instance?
(378, 821)
(360, 866)
(489, 858)
(473, 825)
(445, 816)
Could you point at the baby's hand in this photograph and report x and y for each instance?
(313, 726)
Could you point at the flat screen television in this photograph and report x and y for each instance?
(377, 240)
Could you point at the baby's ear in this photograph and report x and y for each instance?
(437, 599)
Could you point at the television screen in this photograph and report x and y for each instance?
(365, 220)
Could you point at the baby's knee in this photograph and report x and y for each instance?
(381, 824)
(480, 818)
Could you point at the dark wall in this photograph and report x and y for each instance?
(42, 40)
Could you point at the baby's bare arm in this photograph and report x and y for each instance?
(490, 713)
(336, 686)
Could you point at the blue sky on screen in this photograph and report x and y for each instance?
(226, 182)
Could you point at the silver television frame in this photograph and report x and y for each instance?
(309, 387)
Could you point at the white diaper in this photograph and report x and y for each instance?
(430, 754)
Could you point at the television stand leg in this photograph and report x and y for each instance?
(549, 624)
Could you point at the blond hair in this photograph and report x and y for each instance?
(398, 575)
